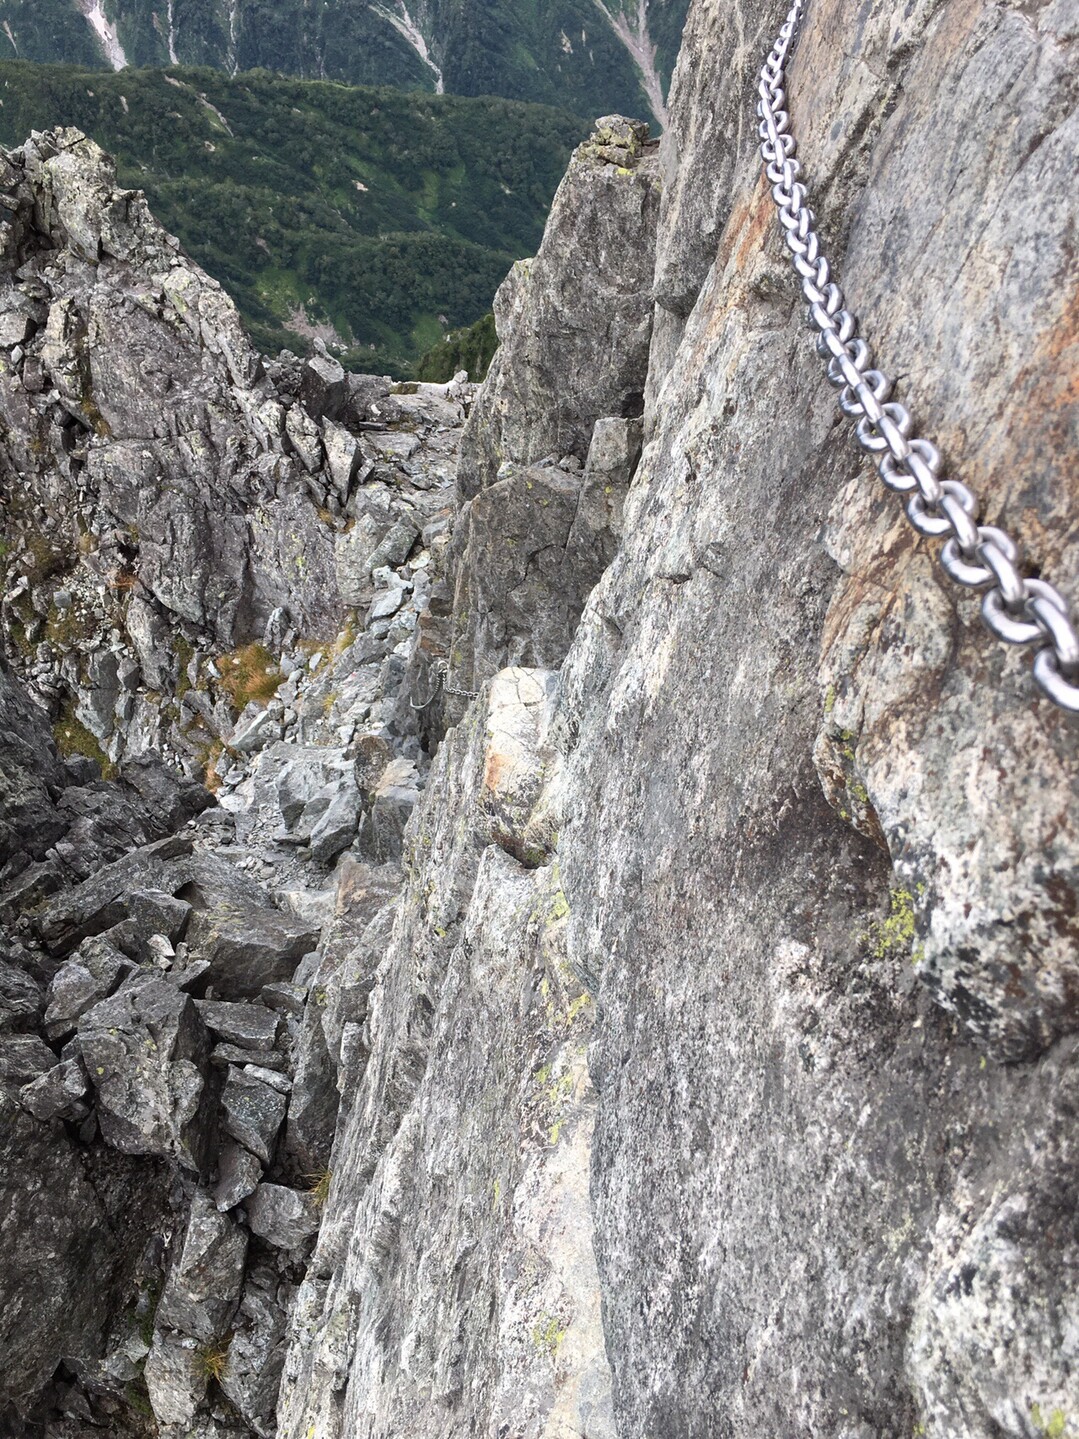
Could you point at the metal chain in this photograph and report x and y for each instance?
(1018, 610)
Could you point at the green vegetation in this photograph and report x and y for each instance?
(548, 1332)
(893, 937)
(1053, 1425)
(213, 1359)
(472, 350)
(319, 1186)
(558, 52)
(73, 738)
(374, 218)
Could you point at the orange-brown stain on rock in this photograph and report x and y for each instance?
(494, 771)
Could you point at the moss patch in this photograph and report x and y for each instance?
(73, 738)
(249, 673)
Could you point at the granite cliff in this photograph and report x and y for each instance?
(626, 984)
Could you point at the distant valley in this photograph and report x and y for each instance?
(376, 220)
(588, 56)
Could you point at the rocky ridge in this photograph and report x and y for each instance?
(217, 565)
(688, 1047)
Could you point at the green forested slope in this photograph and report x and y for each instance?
(391, 217)
(560, 52)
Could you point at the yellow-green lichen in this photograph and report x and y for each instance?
(893, 937)
(548, 1333)
(1053, 1425)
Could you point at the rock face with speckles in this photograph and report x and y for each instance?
(814, 833)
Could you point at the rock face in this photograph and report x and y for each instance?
(686, 1045)
(807, 830)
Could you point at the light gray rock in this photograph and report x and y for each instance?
(574, 338)
(283, 1217)
(146, 1051)
(465, 1093)
(336, 828)
(256, 1353)
(222, 1054)
(176, 1379)
(285, 998)
(252, 1112)
(256, 728)
(202, 1290)
(247, 941)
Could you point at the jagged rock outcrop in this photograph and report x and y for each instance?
(541, 515)
(179, 512)
(170, 1012)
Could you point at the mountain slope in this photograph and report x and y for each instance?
(588, 55)
(374, 218)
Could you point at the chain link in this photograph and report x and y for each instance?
(1018, 610)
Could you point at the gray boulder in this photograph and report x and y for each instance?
(283, 1217)
(93, 972)
(238, 1173)
(252, 1112)
(22, 1058)
(336, 828)
(176, 1379)
(203, 1287)
(256, 1355)
(147, 1054)
(59, 1093)
(247, 1026)
(246, 941)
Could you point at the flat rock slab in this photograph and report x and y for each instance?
(249, 1026)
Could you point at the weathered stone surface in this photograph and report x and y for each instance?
(22, 1058)
(783, 763)
(21, 997)
(73, 1223)
(58, 1093)
(146, 1052)
(203, 1288)
(283, 1217)
(101, 902)
(238, 1172)
(253, 1372)
(574, 338)
(247, 942)
(252, 1112)
(336, 828)
(176, 1379)
(473, 1047)
(519, 590)
(249, 1026)
(92, 973)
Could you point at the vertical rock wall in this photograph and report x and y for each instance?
(814, 833)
